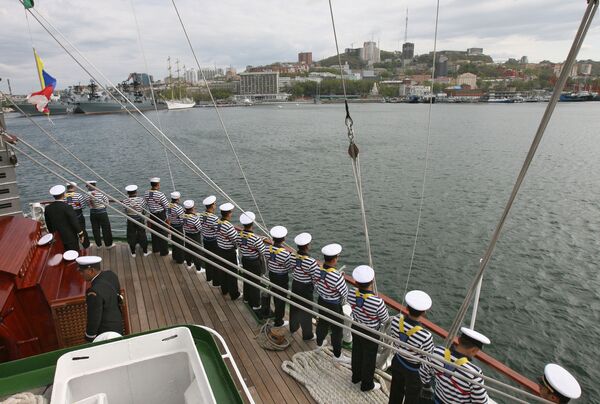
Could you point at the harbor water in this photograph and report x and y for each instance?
(540, 300)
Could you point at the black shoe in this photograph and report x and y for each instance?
(234, 298)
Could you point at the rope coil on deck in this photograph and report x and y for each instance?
(266, 341)
(330, 382)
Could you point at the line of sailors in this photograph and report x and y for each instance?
(410, 378)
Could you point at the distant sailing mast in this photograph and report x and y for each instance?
(177, 103)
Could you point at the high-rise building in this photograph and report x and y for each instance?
(474, 51)
(210, 73)
(408, 51)
(142, 78)
(524, 60)
(259, 85)
(190, 76)
(441, 66)
(585, 69)
(305, 58)
(370, 52)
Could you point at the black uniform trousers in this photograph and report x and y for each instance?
(178, 253)
(252, 293)
(282, 280)
(364, 359)
(228, 282)
(211, 245)
(136, 234)
(189, 258)
(158, 244)
(300, 318)
(99, 220)
(81, 220)
(327, 321)
(406, 384)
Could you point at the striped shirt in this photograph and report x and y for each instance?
(136, 206)
(227, 236)
(419, 338)
(77, 201)
(449, 389)
(156, 201)
(251, 245)
(330, 284)
(279, 260)
(175, 213)
(305, 268)
(191, 223)
(209, 225)
(97, 200)
(367, 308)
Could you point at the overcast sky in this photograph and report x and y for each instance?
(240, 33)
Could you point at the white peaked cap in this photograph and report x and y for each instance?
(57, 190)
(131, 188)
(88, 260)
(189, 204)
(175, 195)
(477, 336)
(303, 239)
(363, 274)
(562, 381)
(331, 250)
(71, 184)
(226, 207)
(154, 179)
(247, 218)
(278, 232)
(209, 200)
(418, 300)
(70, 255)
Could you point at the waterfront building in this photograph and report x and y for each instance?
(305, 58)
(260, 86)
(468, 79)
(210, 73)
(370, 53)
(474, 51)
(143, 78)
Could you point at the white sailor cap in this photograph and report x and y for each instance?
(278, 232)
(331, 250)
(209, 200)
(247, 218)
(560, 380)
(188, 204)
(302, 239)
(88, 261)
(226, 207)
(154, 179)
(475, 336)
(363, 274)
(131, 188)
(71, 184)
(91, 182)
(418, 300)
(57, 190)
(70, 255)
(175, 195)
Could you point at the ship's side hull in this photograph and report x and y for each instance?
(91, 108)
(54, 108)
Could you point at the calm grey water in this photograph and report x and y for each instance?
(540, 300)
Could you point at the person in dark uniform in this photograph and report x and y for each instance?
(136, 207)
(60, 217)
(192, 229)
(103, 298)
(252, 249)
(228, 240)
(174, 216)
(99, 216)
(157, 205)
(305, 269)
(209, 237)
(78, 202)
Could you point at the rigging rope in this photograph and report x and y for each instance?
(139, 35)
(234, 269)
(217, 110)
(353, 151)
(426, 164)
(564, 74)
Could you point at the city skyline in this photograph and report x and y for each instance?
(266, 32)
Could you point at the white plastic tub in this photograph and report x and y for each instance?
(161, 367)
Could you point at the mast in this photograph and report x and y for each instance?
(170, 77)
(178, 82)
(406, 27)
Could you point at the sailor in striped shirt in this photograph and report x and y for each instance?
(192, 228)
(174, 216)
(332, 290)
(558, 385)
(78, 202)
(98, 216)
(136, 206)
(279, 264)
(252, 249)
(209, 236)
(452, 390)
(305, 268)
(227, 239)
(406, 383)
(367, 309)
(157, 205)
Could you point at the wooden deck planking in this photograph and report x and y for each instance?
(161, 293)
